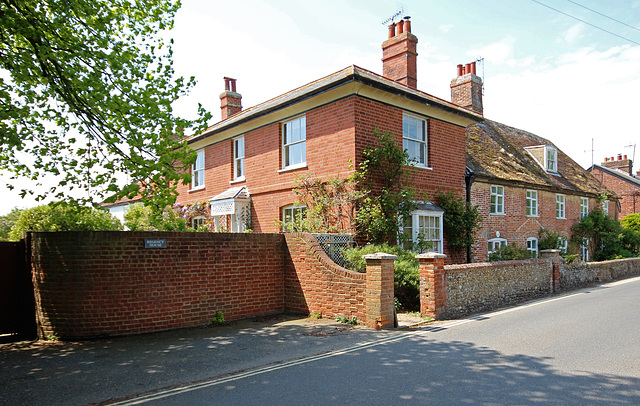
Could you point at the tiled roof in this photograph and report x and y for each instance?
(497, 152)
(349, 74)
(618, 173)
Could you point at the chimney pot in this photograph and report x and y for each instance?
(230, 101)
(407, 24)
(473, 68)
(619, 157)
(606, 159)
(400, 25)
(624, 157)
(392, 30)
(459, 70)
(467, 68)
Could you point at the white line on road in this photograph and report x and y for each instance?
(164, 393)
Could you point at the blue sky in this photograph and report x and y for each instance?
(544, 72)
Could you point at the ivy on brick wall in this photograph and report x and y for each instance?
(461, 221)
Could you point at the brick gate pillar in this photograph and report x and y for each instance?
(555, 258)
(433, 292)
(379, 308)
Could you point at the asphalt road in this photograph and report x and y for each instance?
(581, 348)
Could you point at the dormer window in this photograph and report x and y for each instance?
(546, 156)
(551, 162)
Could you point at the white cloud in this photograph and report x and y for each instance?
(574, 33)
(498, 52)
(588, 94)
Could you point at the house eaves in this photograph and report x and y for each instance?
(347, 82)
(617, 173)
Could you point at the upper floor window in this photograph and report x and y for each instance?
(423, 230)
(293, 217)
(294, 143)
(532, 203)
(497, 200)
(560, 208)
(605, 206)
(584, 207)
(532, 246)
(197, 171)
(414, 139)
(238, 158)
(551, 159)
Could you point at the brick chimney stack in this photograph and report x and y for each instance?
(230, 101)
(622, 163)
(399, 54)
(466, 88)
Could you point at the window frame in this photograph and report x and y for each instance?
(197, 172)
(584, 250)
(415, 230)
(563, 244)
(497, 195)
(287, 227)
(554, 167)
(561, 208)
(584, 207)
(534, 203)
(238, 161)
(424, 143)
(288, 146)
(197, 222)
(502, 243)
(530, 244)
(605, 206)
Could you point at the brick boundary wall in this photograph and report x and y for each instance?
(315, 284)
(92, 284)
(97, 284)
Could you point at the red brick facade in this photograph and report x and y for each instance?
(337, 133)
(514, 225)
(629, 191)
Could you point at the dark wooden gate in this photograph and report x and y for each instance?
(17, 306)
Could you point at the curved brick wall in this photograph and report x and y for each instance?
(315, 284)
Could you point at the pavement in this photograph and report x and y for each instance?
(99, 372)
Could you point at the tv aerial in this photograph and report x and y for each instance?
(395, 15)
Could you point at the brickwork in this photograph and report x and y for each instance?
(629, 192)
(315, 284)
(433, 288)
(515, 226)
(92, 284)
(379, 290)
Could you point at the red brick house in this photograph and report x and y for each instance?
(247, 162)
(616, 174)
(522, 183)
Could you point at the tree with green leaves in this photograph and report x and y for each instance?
(461, 221)
(607, 238)
(86, 93)
(388, 196)
(61, 216)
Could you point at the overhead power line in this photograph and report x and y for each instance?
(585, 22)
(603, 15)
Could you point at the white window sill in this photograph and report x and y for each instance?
(532, 215)
(238, 180)
(293, 167)
(420, 166)
(196, 189)
(497, 214)
(561, 218)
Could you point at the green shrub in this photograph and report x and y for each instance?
(607, 238)
(510, 253)
(406, 276)
(63, 217)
